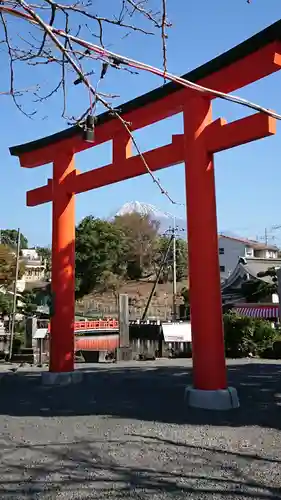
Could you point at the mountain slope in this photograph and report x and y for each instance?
(165, 219)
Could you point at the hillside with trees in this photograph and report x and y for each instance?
(7, 273)
(120, 256)
(125, 255)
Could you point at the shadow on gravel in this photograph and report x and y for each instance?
(90, 469)
(149, 393)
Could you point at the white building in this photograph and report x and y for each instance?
(231, 249)
(34, 268)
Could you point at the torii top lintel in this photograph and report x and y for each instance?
(253, 59)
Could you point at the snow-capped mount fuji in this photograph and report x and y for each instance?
(142, 209)
(166, 219)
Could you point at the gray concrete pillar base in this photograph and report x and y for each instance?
(221, 399)
(62, 378)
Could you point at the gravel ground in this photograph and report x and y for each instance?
(125, 434)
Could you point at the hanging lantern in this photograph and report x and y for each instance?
(89, 130)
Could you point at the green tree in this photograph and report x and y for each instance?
(141, 241)
(9, 237)
(100, 247)
(8, 266)
(159, 254)
(44, 252)
(29, 299)
(181, 258)
(5, 303)
(270, 273)
(110, 282)
(257, 290)
(184, 293)
(244, 335)
(46, 255)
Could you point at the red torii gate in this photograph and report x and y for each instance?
(253, 59)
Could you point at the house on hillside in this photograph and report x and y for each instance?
(35, 269)
(232, 248)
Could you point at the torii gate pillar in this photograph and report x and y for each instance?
(209, 369)
(63, 267)
(252, 60)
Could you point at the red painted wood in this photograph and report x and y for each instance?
(100, 324)
(209, 369)
(97, 343)
(201, 139)
(63, 267)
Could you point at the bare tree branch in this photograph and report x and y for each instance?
(74, 55)
(139, 6)
(164, 35)
(101, 20)
(34, 48)
(18, 92)
(14, 94)
(68, 55)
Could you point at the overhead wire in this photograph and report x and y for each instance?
(111, 58)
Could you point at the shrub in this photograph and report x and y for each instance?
(16, 345)
(276, 349)
(244, 336)
(273, 352)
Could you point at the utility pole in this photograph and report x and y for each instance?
(174, 271)
(14, 298)
(278, 274)
(157, 279)
(267, 233)
(173, 231)
(265, 236)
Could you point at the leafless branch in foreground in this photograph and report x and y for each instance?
(69, 57)
(33, 47)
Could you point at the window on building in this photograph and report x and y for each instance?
(222, 269)
(221, 251)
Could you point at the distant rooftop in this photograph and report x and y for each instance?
(251, 243)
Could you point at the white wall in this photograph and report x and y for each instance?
(30, 254)
(266, 254)
(21, 285)
(233, 249)
(34, 268)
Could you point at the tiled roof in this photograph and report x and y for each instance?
(255, 266)
(252, 267)
(251, 243)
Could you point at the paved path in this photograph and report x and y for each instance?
(124, 434)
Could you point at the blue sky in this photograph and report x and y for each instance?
(248, 178)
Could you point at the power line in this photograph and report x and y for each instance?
(114, 59)
(120, 59)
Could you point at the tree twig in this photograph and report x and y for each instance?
(164, 36)
(12, 91)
